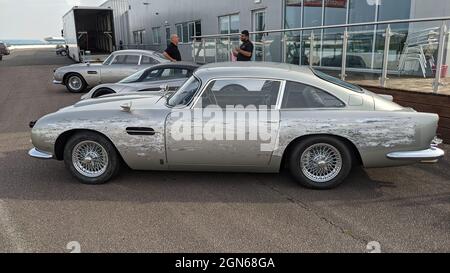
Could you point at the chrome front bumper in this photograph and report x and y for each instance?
(39, 154)
(57, 82)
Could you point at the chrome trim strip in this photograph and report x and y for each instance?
(425, 155)
(39, 154)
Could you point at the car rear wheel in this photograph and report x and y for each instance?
(75, 83)
(320, 162)
(91, 158)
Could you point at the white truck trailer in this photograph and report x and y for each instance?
(89, 33)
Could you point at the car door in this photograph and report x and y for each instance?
(122, 66)
(234, 123)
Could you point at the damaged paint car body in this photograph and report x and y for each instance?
(319, 127)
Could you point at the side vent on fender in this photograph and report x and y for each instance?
(140, 131)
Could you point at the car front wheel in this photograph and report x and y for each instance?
(320, 162)
(75, 83)
(91, 158)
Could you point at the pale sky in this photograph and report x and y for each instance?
(35, 19)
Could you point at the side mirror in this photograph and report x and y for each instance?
(126, 107)
(165, 89)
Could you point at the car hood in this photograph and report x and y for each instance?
(142, 100)
(81, 65)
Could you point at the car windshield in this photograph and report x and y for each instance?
(108, 60)
(185, 94)
(337, 81)
(134, 77)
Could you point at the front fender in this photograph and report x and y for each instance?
(140, 152)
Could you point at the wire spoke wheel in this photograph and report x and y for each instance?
(75, 83)
(321, 162)
(90, 159)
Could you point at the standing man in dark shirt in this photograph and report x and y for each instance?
(244, 53)
(172, 53)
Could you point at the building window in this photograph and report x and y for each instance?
(180, 31)
(168, 35)
(156, 35)
(361, 11)
(335, 12)
(293, 14)
(229, 24)
(189, 29)
(139, 37)
(312, 13)
(394, 9)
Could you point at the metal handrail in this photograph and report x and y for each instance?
(391, 22)
(440, 32)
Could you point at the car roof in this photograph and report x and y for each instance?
(186, 65)
(255, 69)
(134, 51)
(270, 71)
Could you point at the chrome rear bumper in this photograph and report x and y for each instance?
(39, 154)
(57, 82)
(427, 156)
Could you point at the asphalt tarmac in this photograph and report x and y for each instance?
(42, 208)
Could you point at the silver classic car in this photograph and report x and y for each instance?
(120, 64)
(240, 117)
(168, 75)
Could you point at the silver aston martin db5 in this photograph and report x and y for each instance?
(120, 64)
(240, 117)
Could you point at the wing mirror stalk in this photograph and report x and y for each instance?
(126, 107)
(165, 89)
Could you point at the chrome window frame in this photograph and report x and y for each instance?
(126, 54)
(203, 88)
(309, 109)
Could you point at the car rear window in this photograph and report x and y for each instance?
(337, 81)
(298, 95)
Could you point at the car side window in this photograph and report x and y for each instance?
(245, 92)
(167, 74)
(126, 59)
(174, 73)
(298, 95)
(153, 75)
(148, 60)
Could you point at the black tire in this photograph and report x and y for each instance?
(102, 92)
(337, 176)
(113, 160)
(79, 80)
